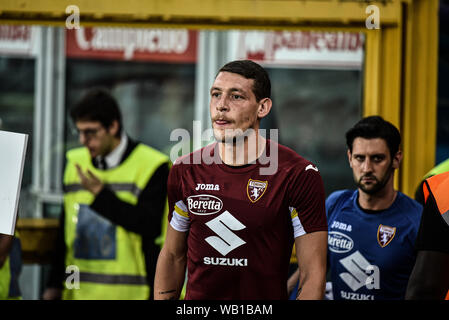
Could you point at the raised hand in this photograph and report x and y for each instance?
(89, 180)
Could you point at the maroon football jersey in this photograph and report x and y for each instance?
(242, 224)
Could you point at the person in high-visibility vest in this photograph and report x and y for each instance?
(440, 168)
(115, 197)
(10, 267)
(430, 276)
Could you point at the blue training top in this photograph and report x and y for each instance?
(371, 255)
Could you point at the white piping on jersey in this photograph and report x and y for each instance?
(298, 229)
(182, 206)
(179, 223)
(180, 220)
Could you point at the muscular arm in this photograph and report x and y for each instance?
(292, 281)
(171, 266)
(311, 251)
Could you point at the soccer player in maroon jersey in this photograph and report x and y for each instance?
(233, 221)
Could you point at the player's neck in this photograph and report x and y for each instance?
(248, 150)
(381, 200)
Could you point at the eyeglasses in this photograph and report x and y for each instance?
(88, 133)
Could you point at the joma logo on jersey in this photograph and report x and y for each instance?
(207, 187)
(341, 226)
(255, 189)
(204, 204)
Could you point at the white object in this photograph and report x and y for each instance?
(12, 159)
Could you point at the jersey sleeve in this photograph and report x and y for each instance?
(307, 200)
(178, 216)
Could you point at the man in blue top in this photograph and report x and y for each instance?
(372, 230)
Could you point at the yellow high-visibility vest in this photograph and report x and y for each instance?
(440, 168)
(104, 260)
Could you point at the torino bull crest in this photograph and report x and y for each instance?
(255, 189)
(385, 234)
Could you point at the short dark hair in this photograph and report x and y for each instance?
(251, 70)
(375, 127)
(97, 105)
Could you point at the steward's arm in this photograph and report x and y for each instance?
(145, 217)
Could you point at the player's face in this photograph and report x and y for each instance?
(95, 137)
(371, 164)
(233, 105)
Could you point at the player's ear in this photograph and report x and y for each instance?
(397, 159)
(349, 153)
(264, 108)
